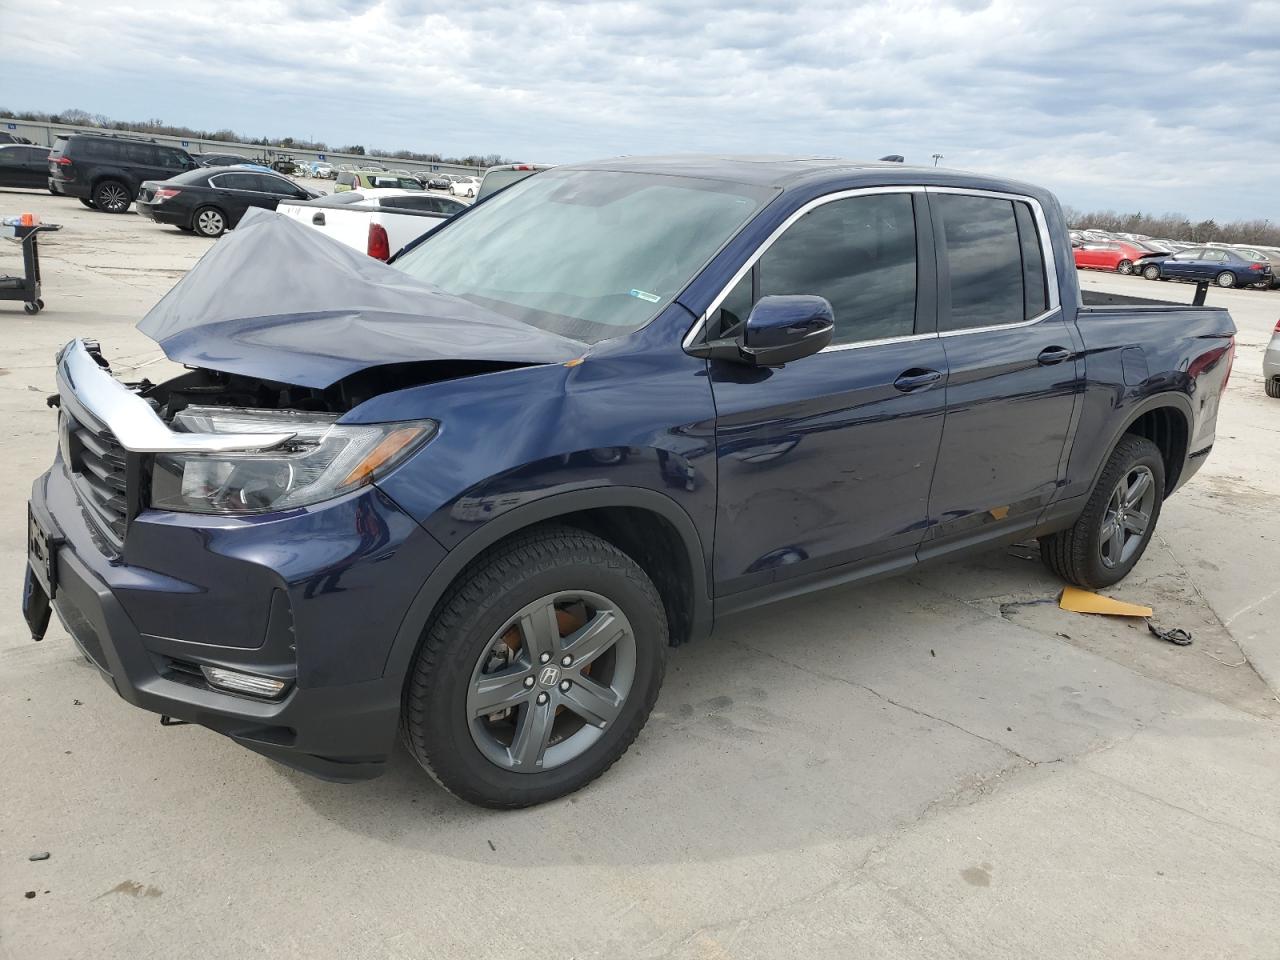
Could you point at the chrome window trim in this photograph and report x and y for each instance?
(769, 241)
(1046, 245)
(859, 344)
(1042, 231)
(130, 418)
(1001, 326)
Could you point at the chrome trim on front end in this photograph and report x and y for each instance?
(135, 425)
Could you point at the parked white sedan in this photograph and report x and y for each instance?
(465, 186)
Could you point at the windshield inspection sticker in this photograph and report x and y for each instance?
(643, 295)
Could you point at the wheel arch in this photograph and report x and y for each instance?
(651, 528)
(1165, 419)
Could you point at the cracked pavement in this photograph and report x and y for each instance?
(936, 766)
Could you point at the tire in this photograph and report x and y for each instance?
(1086, 553)
(1225, 279)
(209, 222)
(112, 196)
(1272, 387)
(88, 203)
(473, 755)
(1125, 267)
(1151, 272)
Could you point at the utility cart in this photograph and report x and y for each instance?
(26, 231)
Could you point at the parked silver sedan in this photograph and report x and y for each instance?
(1271, 364)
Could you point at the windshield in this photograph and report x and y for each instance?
(586, 254)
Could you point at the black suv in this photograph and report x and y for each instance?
(104, 172)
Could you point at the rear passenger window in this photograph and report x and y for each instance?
(858, 253)
(102, 150)
(995, 260)
(140, 154)
(985, 260)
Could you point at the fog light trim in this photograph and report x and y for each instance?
(267, 688)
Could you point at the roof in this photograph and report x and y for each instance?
(785, 172)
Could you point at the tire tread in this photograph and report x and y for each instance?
(539, 548)
(1068, 552)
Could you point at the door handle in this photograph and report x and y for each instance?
(318, 219)
(916, 378)
(1051, 355)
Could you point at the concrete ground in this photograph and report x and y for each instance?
(944, 765)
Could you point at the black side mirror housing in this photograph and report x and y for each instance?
(778, 330)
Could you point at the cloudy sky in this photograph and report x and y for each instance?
(1166, 106)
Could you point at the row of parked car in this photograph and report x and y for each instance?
(1222, 264)
(376, 210)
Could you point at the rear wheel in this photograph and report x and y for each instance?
(537, 671)
(1125, 267)
(112, 196)
(1110, 536)
(1273, 388)
(1225, 279)
(209, 222)
(1151, 272)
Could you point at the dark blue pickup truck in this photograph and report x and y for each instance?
(471, 498)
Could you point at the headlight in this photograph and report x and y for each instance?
(323, 459)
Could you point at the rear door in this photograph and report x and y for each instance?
(827, 461)
(1014, 374)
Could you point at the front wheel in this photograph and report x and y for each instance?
(1125, 267)
(1225, 279)
(87, 202)
(1151, 272)
(537, 671)
(1110, 536)
(1272, 387)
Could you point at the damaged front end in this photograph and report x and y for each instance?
(201, 540)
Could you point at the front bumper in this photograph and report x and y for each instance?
(297, 597)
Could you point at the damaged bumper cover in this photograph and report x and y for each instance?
(300, 596)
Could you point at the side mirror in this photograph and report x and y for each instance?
(778, 330)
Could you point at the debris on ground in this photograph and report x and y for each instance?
(43, 855)
(1086, 601)
(1174, 635)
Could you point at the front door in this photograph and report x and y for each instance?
(1184, 265)
(827, 461)
(1015, 372)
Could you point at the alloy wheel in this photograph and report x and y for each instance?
(1226, 279)
(551, 681)
(1127, 517)
(209, 223)
(112, 197)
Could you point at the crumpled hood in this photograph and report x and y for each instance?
(277, 300)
